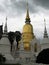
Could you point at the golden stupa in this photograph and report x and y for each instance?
(27, 33)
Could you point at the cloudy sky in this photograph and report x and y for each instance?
(15, 10)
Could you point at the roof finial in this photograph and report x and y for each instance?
(45, 31)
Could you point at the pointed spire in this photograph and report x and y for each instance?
(27, 14)
(45, 31)
(5, 28)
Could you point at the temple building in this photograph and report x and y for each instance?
(29, 46)
(5, 44)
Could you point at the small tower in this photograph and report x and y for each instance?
(45, 30)
(5, 28)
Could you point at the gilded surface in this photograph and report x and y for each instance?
(27, 35)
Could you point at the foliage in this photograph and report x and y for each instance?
(43, 56)
(18, 37)
(11, 36)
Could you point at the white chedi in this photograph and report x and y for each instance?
(5, 44)
(45, 41)
(5, 47)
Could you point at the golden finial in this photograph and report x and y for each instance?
(27, 14)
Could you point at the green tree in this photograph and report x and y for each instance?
(11, 36)
(18, 37)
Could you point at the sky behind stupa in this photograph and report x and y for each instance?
(15, 10)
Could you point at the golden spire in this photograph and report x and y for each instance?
(27, 14)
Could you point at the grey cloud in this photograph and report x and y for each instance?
(18, 7)
(15, 7)
(42, 3)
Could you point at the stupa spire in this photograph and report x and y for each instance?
(45, 30)
(27, 13)
(5, 28)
